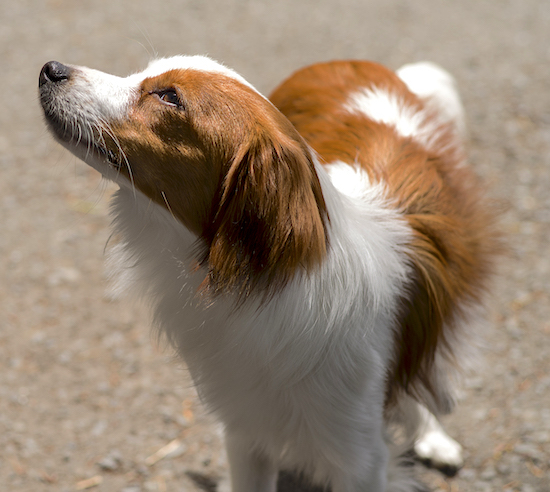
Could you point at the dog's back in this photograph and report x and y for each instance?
(411, 143)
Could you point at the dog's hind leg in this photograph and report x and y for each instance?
(431, 444)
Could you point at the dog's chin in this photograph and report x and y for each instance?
(109, 163)
(101, 159)
(69, 134)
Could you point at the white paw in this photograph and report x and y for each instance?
(440, 451)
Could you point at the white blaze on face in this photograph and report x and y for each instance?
(200, 63)
(102, 96)
(107, 98)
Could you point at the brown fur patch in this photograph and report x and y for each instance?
(230, 167)
(270, 220)
(453, 242)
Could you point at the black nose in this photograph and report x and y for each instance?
(54, 72)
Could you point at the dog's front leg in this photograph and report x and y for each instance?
(250, 471)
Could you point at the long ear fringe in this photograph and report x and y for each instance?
(270, 221)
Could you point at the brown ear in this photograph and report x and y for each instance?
(270, 222)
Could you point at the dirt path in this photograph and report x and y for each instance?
(87, 400)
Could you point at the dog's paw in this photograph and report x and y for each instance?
(437, 450)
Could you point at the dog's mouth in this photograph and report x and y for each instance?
(79, 134)
(86, 147)
(90, 150)
(114, 159)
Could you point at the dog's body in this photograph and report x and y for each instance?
(310, 292)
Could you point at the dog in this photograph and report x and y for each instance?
(316, 258)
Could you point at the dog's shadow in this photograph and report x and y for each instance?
(288, 482)
(294, 482)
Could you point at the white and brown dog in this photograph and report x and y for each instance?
(314, 258)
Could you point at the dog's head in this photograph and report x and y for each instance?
(197, 139)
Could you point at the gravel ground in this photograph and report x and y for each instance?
(88, 399)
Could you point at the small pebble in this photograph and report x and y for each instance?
(180, 450)
(503, 468)
(483, 487)
(528, 450)
(111, 462)
(131, 488)
(468, 474)
(150, 486)
(542, 437)
(488, 474)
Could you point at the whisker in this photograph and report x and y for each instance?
(89, 138)
(153, 53)
(122, 155)
(79, 133)
(72, 126)
(168, 206)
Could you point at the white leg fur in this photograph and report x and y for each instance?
(250, 471)
(354, 462)
(374, 476)
(435, 446)
(438, 89)
(431, 443)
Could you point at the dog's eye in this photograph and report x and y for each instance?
(170, 96)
